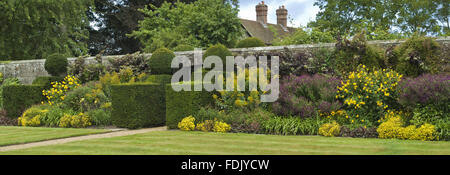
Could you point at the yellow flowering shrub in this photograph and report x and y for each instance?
(392, 127)
(221, 127)
(59, 89)
(368, 94)
(206, 126)
(187, 124)
(32, 117)
(330, 129)
(248, 99)
(80, 120)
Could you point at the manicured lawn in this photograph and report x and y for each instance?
(179, 142)
(15, 135)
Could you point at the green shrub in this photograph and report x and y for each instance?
(137, 105)
(184, 103)
(292, 126)
(84, 99)
(250, 42)
(218, 50)
(183, 47)
(20, 97)
(56, 64)
(100, 117)
(46, 81)
(208, 113)
(7, 82)
(416, 56)
(246, 121)
(160, 61)
(429, 114)
(54, 115)
(350, 54)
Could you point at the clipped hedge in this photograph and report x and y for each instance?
(250, 42)
(137, 105)
(184, 103)
(162, 79)
(183, 47)
(18, 98)
(218, 50)
(160, 61)
(46, 81)
(56, 64)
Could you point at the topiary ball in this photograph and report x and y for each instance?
(160, 61)
(183, 47)
(250, 42)
(218, 50)
(56, 64)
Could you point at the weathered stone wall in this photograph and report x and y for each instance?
(27, 70)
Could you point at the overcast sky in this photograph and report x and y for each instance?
(301, 11)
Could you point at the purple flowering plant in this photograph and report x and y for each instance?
(307, 96)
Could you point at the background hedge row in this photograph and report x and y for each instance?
(20, 97)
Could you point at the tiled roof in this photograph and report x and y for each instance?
(258, 30)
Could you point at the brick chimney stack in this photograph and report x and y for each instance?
(261, 13)
(282, 16)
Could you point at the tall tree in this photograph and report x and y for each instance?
(34, 29)
(200, 24)
(112, 20)
(404, 16)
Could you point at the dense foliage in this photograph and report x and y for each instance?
(34, 29)
(161, 60)
(198, 24)
(56, 64)
(402, 16)
(137, 105)
(305, 36)
(250, 42)
(416, 56)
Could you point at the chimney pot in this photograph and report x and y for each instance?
(261, 13)
(282, 16)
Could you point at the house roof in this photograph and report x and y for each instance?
(258, 30)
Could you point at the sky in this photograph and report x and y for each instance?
(301, 11)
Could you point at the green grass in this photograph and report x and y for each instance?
(193, 143)
(10, 135)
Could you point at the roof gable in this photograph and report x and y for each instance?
(258, 30)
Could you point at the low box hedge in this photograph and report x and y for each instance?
(162, 79)
(138, 105)
(17, 98)
(184, 103)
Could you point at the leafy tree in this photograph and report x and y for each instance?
(308, 36)
(383, 17)
(34, 29)
(200, 24)
(112, 20)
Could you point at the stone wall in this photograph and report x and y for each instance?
(27, 70)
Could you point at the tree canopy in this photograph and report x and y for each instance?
(201, 23)
(34, 29)
(112, 20)
(400, 16)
